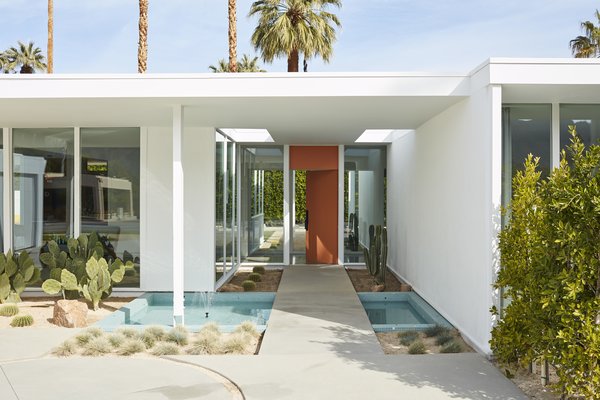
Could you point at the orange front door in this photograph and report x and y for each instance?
(322, 208)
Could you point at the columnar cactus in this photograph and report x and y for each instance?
(376, 254)
(16, 272)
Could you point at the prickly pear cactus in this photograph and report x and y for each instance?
(16, 273)
(100, 277)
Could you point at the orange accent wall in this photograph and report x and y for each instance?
(314, 158)
(322, 206)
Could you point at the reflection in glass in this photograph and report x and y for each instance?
(42, 187)
(225, 205)
(110, 191)
(364, 197)
(526, 129)
(261, 196)
(585, 118)
(1, 188)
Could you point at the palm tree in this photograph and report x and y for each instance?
(246, 64)
(25, 57)
(143, 37)
(50, 68)
(3, 62)
(288, 28)
(587, 46)
(232, 36)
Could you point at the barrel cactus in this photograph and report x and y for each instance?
(16, 273)
(376, 254)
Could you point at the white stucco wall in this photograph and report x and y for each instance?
(156, 221)
(440, 213)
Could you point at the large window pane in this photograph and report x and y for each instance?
(526, 129)
(220, 204)
(42, 187)
(1, 189)
(585, 118)
(261, 196)
(110, 191)
(364, 197)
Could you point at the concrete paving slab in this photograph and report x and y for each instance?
(317, 311)
(326, 376)
(6, 390)
(23, 343)
(102, 378)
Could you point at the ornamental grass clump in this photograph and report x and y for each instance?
(98, 346)
(247, 327)
(435, 331)
(129, 333)
(116, 340)
(207, 342)
(83, 337)
(165, 349)
(444, 338)
(451, 347)
(157, 332)
(9, 310)
(407, 337)
(417, 347)
(236, 343)
(550, 270)
(178, 335)
(211, 327)
(131, 346)
(65, 349)
(94, 331)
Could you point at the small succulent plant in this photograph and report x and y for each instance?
(249, 286)
(20, 321)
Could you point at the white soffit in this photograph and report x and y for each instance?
(381, 135)
(248, 135)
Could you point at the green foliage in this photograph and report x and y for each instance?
(550, 270)
(436, 330)
(254, 277)
(99, 278)
(451, 347)
(249, 286)
(20, 321)
(407, 337)
(165, 349)
(178, 335)
(417, 347)
(376, 254)
(587, 45)
(68, 281)
(259, 269)
(8, 310)
(24, 57)
(245, 64)
(444, 338)
(16, 273)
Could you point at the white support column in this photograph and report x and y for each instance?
(555, 161)
(76, 205)
(496, 189)
(7, 212)
(178, 216)
(286, 205)
(341, 204)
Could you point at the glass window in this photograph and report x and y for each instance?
(585, 118)
(526, 129)
(225, 205)
(364, 197)
(261, 197)
(42, 187)
(1, 189)
(110, 192)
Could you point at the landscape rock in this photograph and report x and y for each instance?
(70, 314)
(378, 288)
(405, 287)
(229, 287)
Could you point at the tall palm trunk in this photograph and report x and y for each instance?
(232, 36)
(143, 37)
(50, 67)
(293, 61)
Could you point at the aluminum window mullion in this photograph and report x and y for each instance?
(7, 187)
(76, 189)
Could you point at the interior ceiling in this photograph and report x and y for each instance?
(289, 120)
(550, 93)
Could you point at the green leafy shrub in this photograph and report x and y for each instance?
(444, 338)
(179, 335)
(16, 273)
(259, 269)
(451, 347)
(20, 321)
(131, 346)
(249, 286)
(255, 277)
(436, 330)
(247, 327)
(165, 349)
(97, 346)
(550, 270)
(65, 349)
(407, 337)
(236, 343)
(207, 342)
(417, 347)
(9, 310)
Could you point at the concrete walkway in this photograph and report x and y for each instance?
(317, 311)
(319, 345)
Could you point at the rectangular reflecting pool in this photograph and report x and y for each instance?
(390, 311)
(228, 310)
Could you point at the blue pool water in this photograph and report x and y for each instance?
(227, 310)
(400, 311)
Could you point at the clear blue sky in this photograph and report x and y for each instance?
(377, 35)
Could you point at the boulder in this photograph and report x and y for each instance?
(405, 287)
(70, 314)
(378, 288)
(230, 287)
